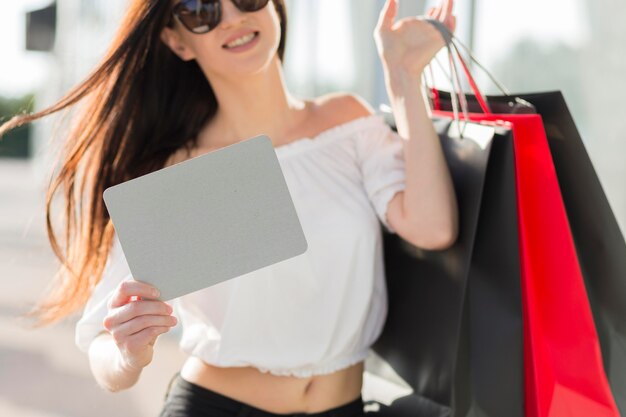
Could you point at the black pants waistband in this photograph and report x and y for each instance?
(186, 398)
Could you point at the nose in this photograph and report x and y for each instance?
(231, 15)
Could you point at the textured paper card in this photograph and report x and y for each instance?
(207, 219)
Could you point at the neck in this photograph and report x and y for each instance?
(254, 104)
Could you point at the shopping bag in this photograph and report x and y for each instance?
(563, 362)
(454, 330)
(600, 245)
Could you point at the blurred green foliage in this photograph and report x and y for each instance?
(16, 143)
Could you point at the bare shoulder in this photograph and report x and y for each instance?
(342, 107)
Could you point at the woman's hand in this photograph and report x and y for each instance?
(135, 325)
(409, 44)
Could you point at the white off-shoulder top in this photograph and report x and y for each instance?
(315, 313)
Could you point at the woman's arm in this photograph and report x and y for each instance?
(426, 212)
(107, 366)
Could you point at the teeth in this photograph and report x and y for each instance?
(241, 41)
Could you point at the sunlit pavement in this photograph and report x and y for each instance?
(42, 372)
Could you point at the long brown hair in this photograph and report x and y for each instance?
(142, 103)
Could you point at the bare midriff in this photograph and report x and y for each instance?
(277, 393)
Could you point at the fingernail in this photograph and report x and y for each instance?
(155, 292)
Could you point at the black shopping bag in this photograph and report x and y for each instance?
(600, 246)
(454, 325)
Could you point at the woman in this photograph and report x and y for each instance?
(187, 77)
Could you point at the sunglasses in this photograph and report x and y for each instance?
(202, 16)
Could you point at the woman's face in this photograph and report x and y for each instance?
(209, 49)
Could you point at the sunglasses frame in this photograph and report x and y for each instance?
(206, 28)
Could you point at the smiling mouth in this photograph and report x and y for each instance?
(255, 33)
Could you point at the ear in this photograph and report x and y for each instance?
(175, 42)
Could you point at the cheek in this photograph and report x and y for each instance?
(204, 47)
(270, 30)
(268, 23)
(274, 21)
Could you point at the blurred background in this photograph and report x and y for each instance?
(576, 46)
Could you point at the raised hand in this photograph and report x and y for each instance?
(409, 44)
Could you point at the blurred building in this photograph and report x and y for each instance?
(603, 84)
(81, 31)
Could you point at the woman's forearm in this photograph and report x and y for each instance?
(107, 367)
(429, 199)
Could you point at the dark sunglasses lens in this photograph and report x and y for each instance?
(199, 16)
(250, 5)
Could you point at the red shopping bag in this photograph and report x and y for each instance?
(563, 362)
(564, 374)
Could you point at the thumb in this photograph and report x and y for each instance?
(387, 15)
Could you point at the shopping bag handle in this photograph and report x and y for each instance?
(456, 95)
(450, 39)
(453, 42)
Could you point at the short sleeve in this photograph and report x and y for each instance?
(115, 271)
(380, 152)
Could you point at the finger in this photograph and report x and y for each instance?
(437, 12)
(430, 12)
(446, 10)
(127, 289)
(146, 337)
(452, 25)
(131, 310)
(139, 323)
(450, 7)
(387, 15)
